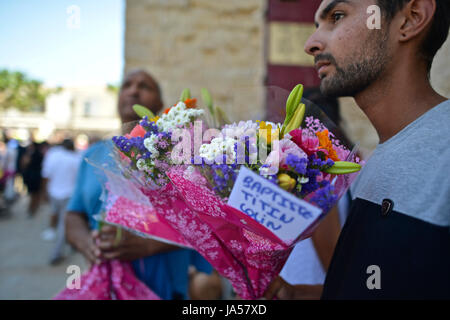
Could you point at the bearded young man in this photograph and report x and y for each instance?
(396, 241)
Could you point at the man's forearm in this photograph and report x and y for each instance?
(155, 247)
(307, 292)
(281, 289)
(77, 230)
(326, 236)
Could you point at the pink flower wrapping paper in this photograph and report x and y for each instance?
(186, 212)
(112, 280)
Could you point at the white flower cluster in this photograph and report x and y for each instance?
(178, 115)
(141, 164)
(241, 129)
(150, 143)
(219, 147)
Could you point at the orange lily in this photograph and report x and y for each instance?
(325, 144)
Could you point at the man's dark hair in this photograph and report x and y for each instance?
(439, 26)
(68, 144)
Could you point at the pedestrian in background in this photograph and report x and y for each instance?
(162, 267)
(59, 174)
(31, 165)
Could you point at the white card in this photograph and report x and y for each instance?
(276, 209)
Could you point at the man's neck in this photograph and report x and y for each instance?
(397, 99)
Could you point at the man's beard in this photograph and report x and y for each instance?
(354, 77)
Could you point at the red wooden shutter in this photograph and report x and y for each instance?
(289, 24)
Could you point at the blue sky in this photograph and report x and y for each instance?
(36, 37)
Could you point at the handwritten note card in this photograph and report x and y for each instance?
(274, 208)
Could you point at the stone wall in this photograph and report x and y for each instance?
(201, 43)
(440, 72)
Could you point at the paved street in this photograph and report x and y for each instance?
(24, 269)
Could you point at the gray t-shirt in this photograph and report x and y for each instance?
(413, 169)
(399, 218)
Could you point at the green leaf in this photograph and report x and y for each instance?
(294, 99)
(206, 96)
(186, 94)
(142, 111)
(292, 103)
(296, 120)
(221, 117)
(343, 167)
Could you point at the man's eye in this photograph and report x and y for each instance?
(145, 86)
(337, 16)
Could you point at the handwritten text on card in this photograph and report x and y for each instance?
(279, 211)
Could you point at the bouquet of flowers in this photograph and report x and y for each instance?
(143, 156)
(149, 145)
(244, 196)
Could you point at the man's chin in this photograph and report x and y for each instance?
(128, 118)
(328, 89)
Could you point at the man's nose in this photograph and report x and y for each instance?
(313, 45)
(133, 90)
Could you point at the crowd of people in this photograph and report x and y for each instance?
(45, 173)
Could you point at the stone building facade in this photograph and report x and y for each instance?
(214, 44)
(223, 45)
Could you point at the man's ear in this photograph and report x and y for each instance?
(417, 16)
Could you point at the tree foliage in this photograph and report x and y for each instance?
(19, 91)
(114, 88)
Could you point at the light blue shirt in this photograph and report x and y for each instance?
(165, 273)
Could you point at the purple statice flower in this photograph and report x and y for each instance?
(312, 185)
(297, 164)
(165, 135)
(222, 175)
(138, 143)
(329, 163)
(148, 134)
(162, 165)
(240, 158)
(313, 171)
(198, 160)
(150, 126)
(248, 149)
(324, 197)
(146, 155)
(163, 144)
(273, 178)
(220, 159)
(317, 163)
(123, 143)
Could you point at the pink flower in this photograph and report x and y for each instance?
(296, 136)
(278, 156)
(138, 131)
(308, 143)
